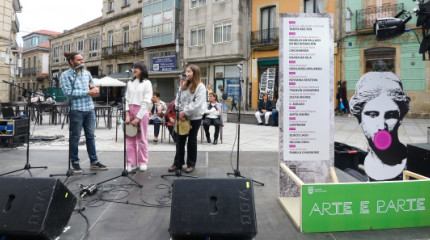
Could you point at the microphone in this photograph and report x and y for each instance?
(81, 66)
(129, 70)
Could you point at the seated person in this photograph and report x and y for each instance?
(158, 109)
(275, 113)
(213, 116)
(265, 107)
(170, 119)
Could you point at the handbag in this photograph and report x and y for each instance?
(342, 106)
(184, 127)
(130, 130)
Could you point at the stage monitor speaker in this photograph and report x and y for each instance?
(419, 158)
(34, 208)
(214, 208)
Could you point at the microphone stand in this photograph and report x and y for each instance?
(69, 104)
(178, 172)
(124, 171)
(236, 172)
(27, 165)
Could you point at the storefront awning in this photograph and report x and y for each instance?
(268, 61)
(174, 73)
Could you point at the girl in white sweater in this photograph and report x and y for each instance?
(192, 105)
(138, 98)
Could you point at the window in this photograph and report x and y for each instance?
(126, 2)
(197, 3)
(80, 46)
(110, 38)
(268, 23)
(56, 56)
(314, 6)
(197, 36)
(110, 6)
(125, 35)
(380, 59)
(34, 41)
(23, 64)
(67, 48)
(110, 69)
(29, 63)
(34, 62)
(222, 32)
(94, 46)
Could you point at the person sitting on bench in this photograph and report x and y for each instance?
(213, 116)
(265, 107)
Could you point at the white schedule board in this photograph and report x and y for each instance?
(306, 84)
(306, 88)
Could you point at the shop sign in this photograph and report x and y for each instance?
(267, 83)
(164, 63)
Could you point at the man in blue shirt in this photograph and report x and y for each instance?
(75, 83)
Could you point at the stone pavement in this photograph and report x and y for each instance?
(252, 136)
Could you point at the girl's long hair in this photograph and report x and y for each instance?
(195, 81)
(142, 67)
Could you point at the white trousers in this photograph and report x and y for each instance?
(266, 116)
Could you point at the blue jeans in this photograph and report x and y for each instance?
(157, 123)
(87, 120)
(275, 117)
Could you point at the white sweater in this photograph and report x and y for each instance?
(139, 93)
(193, 104)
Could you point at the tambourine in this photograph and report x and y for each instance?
(184, 127)
(130, 130)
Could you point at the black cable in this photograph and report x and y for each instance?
(232, 150)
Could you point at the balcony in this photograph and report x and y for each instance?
(265, 39)
(365, 18)
(15, 24)
(122, 49)
(29, 71)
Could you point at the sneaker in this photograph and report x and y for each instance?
(98, 166)
(130, 168)
(76, 168)
(143, 167)
(260, 123)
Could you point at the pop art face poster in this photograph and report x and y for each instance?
(379, 104)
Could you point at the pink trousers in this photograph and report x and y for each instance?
(137, 147)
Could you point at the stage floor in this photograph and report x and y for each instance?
(108, 220)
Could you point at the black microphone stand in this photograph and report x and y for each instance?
(178, 172)
(236, 172)
(27, 165)
(69, 104)
(124, 171)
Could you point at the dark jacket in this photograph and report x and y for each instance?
(265, 105)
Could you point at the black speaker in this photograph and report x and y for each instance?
(214, 208)
(34, 208)
(419, 158)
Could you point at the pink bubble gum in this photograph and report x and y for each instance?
(382, 140)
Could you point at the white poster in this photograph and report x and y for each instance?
(306, 76)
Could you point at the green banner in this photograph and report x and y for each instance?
(365, 206)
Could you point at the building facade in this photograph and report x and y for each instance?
(362, 53)
(264, 63)
(122, 31)
(162, 39)
(35, 60)
(216, 39)
(9, 55)
(84, 39)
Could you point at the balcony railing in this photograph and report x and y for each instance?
(365, 18)
(29, 71)
(265, 37)
(122, 49)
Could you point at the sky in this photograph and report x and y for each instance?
(56, 15)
